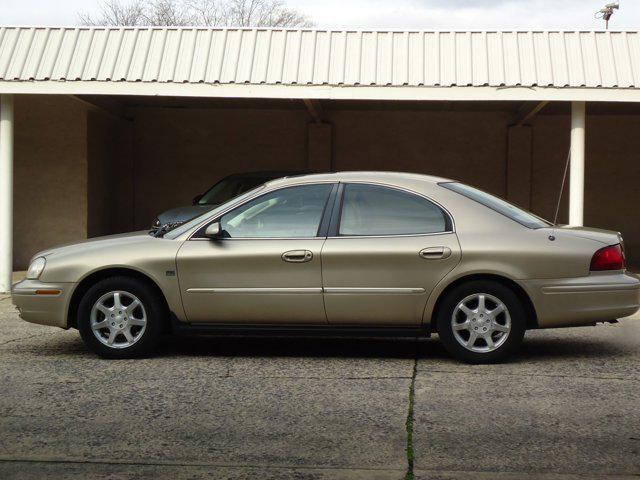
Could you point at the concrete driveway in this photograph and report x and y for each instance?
(568, 407)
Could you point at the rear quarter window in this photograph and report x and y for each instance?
(497, 204)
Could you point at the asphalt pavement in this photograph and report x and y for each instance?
(567, 407)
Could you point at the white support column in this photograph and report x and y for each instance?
(6, 192)
(576, 175)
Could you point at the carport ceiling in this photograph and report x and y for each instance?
(118, 105)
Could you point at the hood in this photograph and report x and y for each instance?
(607, 237)
(96, 243)
(134, 251)
(182, 214)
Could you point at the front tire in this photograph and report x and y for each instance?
(481, 321)
(121, 317)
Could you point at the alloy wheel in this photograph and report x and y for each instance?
(118, 319)
(481, 323)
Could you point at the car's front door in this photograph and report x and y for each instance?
(387, 249)
(266, 269)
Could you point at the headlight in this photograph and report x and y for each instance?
(36, 268)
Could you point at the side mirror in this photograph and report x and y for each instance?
(213, 231)
(197, 198)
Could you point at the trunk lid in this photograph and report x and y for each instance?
(606, 237)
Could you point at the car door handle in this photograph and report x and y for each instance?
(297, 256)
(435, 253)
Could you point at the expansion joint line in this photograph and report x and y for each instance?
(410, 419)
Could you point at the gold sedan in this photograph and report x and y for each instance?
(356, 253)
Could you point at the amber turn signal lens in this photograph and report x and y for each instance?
(47, 292)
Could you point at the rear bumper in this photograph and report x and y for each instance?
(37, 302)
(583, 301)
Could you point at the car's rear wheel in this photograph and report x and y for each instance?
(481, 321)
(121, 317)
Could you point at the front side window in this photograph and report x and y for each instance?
(378, 210)
(185, 227)
(292, 212)
(499, 205)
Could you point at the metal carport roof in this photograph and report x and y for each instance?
(308, 63)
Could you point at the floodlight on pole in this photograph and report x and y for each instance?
(606, 12)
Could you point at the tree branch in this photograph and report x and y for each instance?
(210, 13)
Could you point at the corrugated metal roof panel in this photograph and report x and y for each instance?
(447, 70)
(479, 63)
(338, 45)
(353, 51)
(542, 60)
(275, 58)
(319, 57)
(431, 59)
(7, 47)
(415, 63)
(32, 58)
(291, 58)
(23, 44)
(591, 60)
(307, 57)
(464, 59)
(633, 50)
(621, 60)
(321, 63)
(124, 55)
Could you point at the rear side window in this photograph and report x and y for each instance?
(378, 210)
(499, 205)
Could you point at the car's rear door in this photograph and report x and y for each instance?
(267, 270)
(387, 249)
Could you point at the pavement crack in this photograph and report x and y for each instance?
(334, 377)
(178, 463)
(409, 423)
(24, 338)
(544, 375)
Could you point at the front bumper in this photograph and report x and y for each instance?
(38, 302)
(586, 300)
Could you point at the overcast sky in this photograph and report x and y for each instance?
(422, 14)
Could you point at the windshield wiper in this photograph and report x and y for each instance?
(159, 232)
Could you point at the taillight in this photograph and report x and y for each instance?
(608, 258)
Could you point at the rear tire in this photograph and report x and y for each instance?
(121, 317)
(481, 321)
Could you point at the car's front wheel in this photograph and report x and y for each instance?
(481, 321)
(120, 317)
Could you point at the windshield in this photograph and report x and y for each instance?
(499, 205)
(179, 230)
(231, 187)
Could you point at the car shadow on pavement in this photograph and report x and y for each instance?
(535, 348)
(532, 349)
(292, 347)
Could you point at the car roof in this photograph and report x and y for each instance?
(266, 173)
(364, 176)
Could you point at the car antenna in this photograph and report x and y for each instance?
(564, 179)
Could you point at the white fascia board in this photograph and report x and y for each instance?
(323, 92)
